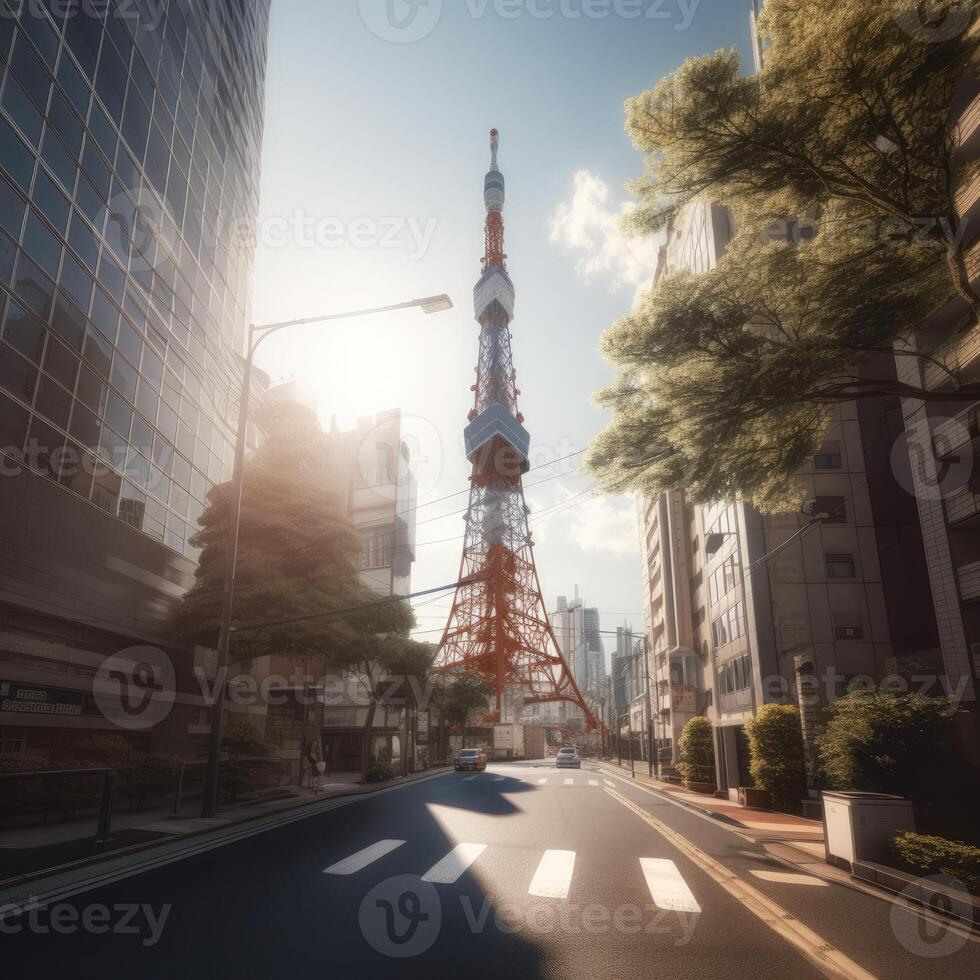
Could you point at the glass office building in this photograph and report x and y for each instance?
(130, 140)
(130, 137)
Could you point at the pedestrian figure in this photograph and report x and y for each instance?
(316, 764)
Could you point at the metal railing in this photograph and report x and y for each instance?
(105, 810)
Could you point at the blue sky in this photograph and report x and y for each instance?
(376, 144)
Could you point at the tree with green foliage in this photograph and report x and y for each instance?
(729, 378)
(887, 743)
(297, 590)
(776, 750)
(394, 667)
(465, 696)
(696, 755)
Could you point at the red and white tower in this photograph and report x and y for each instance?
(498, 629)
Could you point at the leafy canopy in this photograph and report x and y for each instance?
(297, 558)
(728, 379)
(464, 696)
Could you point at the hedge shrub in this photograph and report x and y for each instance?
(887, 743)
(696, 762)
(776, 748)
(936, 855)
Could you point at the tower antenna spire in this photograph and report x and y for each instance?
(498, 629)
(494, 196)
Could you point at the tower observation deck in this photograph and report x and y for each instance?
(498, 629)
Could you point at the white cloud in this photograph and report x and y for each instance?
(590, 223)
(606, 523)
(592, 523)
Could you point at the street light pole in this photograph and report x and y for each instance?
(646, 665)
(430, 304)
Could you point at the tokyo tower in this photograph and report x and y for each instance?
(498, 629)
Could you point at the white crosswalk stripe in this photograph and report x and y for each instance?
(593, 782)
(361, 859)
(569, 782)
(609, 782)
(542, 781)
(553, 875)
(667, 886)
(452, 866)
(466, 779)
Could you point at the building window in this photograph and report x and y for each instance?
(831, 510)
(828, 461)
(841, 566)
(849, 632)
(729, 626)
(724, 578)
(735, 675)
(377, 544)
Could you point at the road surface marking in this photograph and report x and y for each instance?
(609, 782)
(361, 859)
(452, 866)
(667, 887)
(542, 780)
(497, 779)
(554, 875)
(466, 779)
(827, 958)
(789, 878)
(569, 782)
(593, 782)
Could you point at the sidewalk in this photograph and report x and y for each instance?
(40, 849)
(758, 823)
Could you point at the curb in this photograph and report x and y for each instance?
(704, 811)
(134, 849)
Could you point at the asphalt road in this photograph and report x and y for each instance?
(521, 871)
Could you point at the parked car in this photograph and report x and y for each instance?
(471, 760)
(568, 758)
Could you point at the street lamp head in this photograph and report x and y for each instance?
(434, 304)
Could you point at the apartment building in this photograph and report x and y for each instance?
(943, 440)
(744, 608)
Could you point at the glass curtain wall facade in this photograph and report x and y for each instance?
(130, 139)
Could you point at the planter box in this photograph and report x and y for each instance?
(708, 788)
(757, 799)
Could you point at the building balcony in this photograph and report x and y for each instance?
(961, 353)
(967, 199)
(968, 129)
(969, 579)
(963, 508)
(961, 432)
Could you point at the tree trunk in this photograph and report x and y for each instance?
(366, 739)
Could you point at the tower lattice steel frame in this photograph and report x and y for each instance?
(498, 628)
